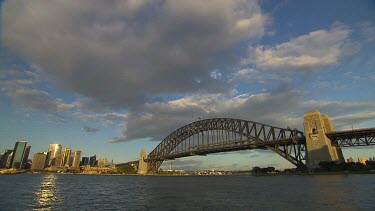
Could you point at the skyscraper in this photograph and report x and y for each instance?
(39, 160)
(18, 154)
(67, 153)
(76, 158)
(93, 161)
(5, 162)
(85, 161)
(54, 149)
(26, 155)
(59, 160)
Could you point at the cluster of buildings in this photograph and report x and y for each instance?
(16, 158)
(54, 159)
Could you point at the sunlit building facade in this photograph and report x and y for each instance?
(54, 150)
(67, 154)
(102, 162)
(39, 161)
(76, 158)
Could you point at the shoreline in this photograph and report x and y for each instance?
(194, 175)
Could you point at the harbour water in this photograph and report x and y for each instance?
(96, 192)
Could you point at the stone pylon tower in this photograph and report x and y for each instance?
(319, 147)
(142, 165)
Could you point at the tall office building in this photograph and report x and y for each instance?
(18, 154)
(54, 149)
(76, 158)
(26, 155)
(93, 161)
(59, 160)
(5, 162)
(85, 161)
(39, 160)
(67, 153)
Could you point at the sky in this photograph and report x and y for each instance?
(113, 77)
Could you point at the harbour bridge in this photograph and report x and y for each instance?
(319, 142)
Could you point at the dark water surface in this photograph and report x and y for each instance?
(95, 192)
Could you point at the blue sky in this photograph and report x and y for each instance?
(112, 78)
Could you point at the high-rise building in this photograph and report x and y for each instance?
(5, 162)
(76, 158)
(54, 149)
(9, 159)
(59, 160)
(85, 161)
(71, 160)
(26, 156)
(46, 164)
(39, 161)
(67, 153)
(18, 153)
(93, 161)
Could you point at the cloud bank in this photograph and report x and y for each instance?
(122, 53)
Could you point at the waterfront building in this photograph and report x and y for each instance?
(46, 164)
(39, 161)
(67, 156)
(59, 160)
(18, 154)
(54, 149)
(71, 160)
(9, 159)
(103, 162)
(76, 158)
(85, 161)
(26, 156)
(5, 161)
(93, 161)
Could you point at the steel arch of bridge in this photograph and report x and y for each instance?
(226, 134)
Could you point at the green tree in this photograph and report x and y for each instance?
(126, 169)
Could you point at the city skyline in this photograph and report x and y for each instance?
(114, 78)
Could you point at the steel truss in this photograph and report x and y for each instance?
(225, 134)
(349, 138)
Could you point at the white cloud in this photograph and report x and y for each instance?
(314, 50)
(282, 109)
(19, 87)
(355, 120)
(103, 118)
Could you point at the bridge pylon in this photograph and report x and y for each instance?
(319, 147)
(142, 166)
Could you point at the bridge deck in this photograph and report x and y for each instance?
(348, 138)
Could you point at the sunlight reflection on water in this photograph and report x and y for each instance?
(47, 194)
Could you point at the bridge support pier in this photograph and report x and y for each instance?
(319, 147)
(142, 166)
